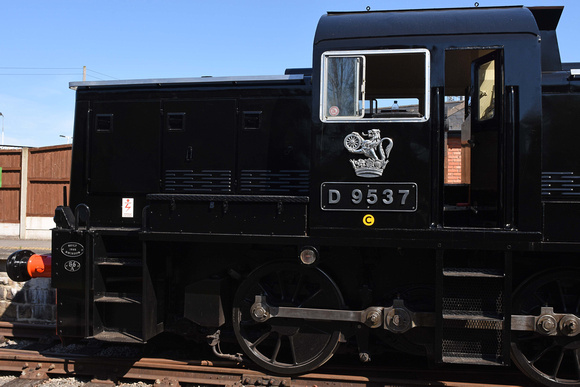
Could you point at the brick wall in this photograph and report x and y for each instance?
(33, 301)
(453, 161)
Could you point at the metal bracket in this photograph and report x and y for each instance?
(36, 373)
(259, 380)
(166, 382)
(82, 213)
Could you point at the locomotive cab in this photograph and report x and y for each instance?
(420, 61)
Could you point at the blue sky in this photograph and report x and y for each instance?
(45, 44)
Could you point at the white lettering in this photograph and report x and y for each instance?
(333, 196)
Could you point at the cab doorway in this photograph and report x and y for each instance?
(473, 124)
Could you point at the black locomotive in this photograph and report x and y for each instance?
(301, 211)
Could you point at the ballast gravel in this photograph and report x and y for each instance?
(69, 382)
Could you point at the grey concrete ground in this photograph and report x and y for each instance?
(8, 246)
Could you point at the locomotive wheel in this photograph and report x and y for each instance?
(287, 346)
(550, 360)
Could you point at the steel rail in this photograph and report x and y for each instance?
(35, 366)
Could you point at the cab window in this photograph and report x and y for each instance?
(383, 85)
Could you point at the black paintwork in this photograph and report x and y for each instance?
(228, 174)
(236, 139)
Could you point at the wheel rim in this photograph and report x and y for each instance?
(287, 346)
(550, 360)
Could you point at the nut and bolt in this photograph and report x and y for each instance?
(260, 313)
(547, 324)
(396, 320)
(569, 325)
(374, 318)
(364, 357)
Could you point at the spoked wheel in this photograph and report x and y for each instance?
(287, 346)
(550, 360)
(353, 142)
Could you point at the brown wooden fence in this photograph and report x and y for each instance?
(37, 174)
(10, 162)
(48, 173)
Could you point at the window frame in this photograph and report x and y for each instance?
(359, 83)
(361, 71)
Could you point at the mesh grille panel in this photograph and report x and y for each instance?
(214, 181)
(477, 344)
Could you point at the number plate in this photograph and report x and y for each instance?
(397, 197)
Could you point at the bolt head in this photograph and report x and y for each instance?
(569, 325)
(259, 312)
(374, 318)
(547, 324)
(396, 320)
(364, 357)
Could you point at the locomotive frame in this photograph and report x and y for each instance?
(305, 210)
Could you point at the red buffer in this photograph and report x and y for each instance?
(23, 265)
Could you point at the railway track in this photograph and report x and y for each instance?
(36, 366)
(45, 359)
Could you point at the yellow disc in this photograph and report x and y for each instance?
(368, 220)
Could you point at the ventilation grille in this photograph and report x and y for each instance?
(215, 181)
(280, 182)
(473, 296)
(479, 344)
(560, 185)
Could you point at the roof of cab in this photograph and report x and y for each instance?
(293, 77)
(500, 20)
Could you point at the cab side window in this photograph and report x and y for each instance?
(381, 85)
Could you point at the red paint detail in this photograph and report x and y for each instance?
(40, 265)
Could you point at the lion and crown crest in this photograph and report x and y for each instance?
(373, 165)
